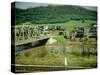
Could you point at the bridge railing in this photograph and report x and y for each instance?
(27, 33)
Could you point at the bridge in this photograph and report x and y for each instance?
(27, 36)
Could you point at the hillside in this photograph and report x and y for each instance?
(53, 14)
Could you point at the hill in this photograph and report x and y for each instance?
(53, 14)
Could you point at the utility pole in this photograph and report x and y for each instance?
(65, 62)
(65, 59)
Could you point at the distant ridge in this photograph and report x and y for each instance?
(53, 14)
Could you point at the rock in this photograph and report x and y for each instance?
(51, 41)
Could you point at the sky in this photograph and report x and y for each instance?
(25, 5)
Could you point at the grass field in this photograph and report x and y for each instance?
(70, 25)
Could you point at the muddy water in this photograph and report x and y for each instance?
(60, 48)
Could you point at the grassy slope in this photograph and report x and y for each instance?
(53, 14)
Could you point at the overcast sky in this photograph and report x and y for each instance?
(25, 5)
